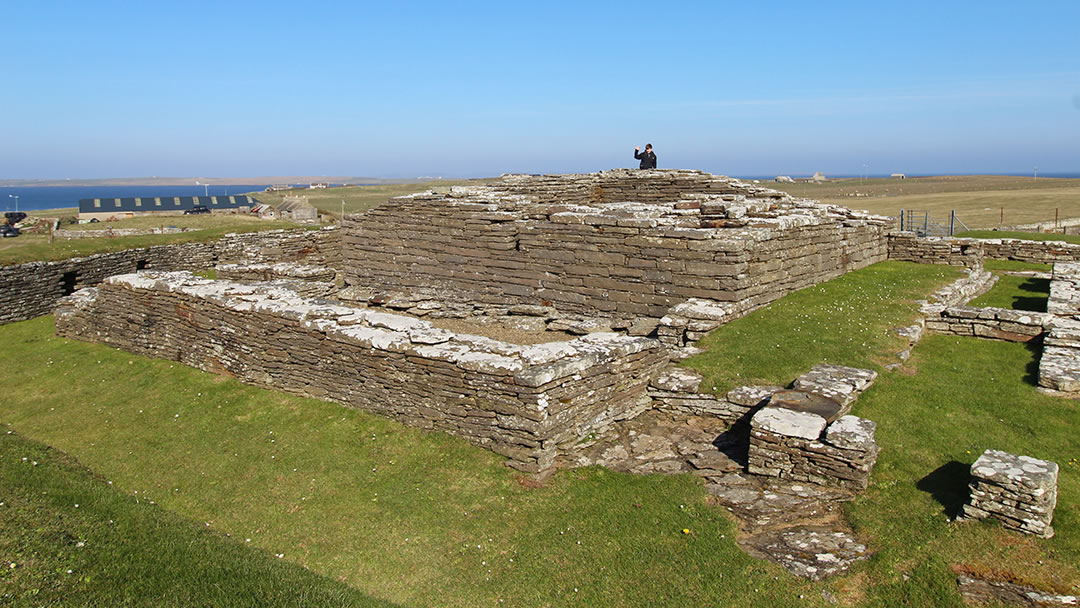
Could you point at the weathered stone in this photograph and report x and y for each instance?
(788, 423)
(800, 401)
(679, 380)
(811, 552)
(1019, 491)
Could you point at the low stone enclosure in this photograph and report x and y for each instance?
(1058, 329)
(522, 402)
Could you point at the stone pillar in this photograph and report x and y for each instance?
(802, 446)
(1019, 491)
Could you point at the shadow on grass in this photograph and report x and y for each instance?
(1040, 290)
(948, 485)
(1035, 347)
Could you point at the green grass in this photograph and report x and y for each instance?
(1016, 292)
(423, 519)
(237, 222)
(969, 395)
(34, 247)
(1014, 266)
(847, 321)
(1027, 236)
(412, 517)
(68, 537)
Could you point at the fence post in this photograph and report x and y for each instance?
(926, 223)
(952, 222)
(901, 220)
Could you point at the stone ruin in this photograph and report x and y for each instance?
(623, 246)
(1018, 491)
(636, 264)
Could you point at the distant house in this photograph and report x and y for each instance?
(898, 176)
(298, 209)
(318, 186)
(278, 188)
(120, 208)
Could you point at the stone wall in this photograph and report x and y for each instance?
(32, 289)
(801, 446)
(907, 247)
(524, 402)
(575, 243)
(1059, 368)
(989, 322)
(115, 232)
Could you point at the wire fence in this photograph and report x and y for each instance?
(923, 224)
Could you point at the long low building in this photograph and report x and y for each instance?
(119, 208)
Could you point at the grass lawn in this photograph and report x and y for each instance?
(847, 321)
(230, 221)
(424, 519)
(1017, 293)
(67, 538)
(35, 247)
(980, 201)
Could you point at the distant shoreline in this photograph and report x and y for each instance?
(209, 181)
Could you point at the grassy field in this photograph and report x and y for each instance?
(424, 519)
(780, 342)
(359, 198)
(233, 221)
(980, 201)
(35, 247)
(70, 539)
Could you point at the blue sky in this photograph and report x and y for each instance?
(404, 89)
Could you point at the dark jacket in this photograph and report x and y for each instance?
(647, 158)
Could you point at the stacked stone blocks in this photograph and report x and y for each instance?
(906, 246)
(1018, 491)
(817, 442)
(572, 242)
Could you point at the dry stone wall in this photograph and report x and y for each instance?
(802, 446)
(990, 322)
(32, 289)
(524, 402)
(1059, 368)
(619, 244)
(907, 247)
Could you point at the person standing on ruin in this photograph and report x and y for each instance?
(647, 158)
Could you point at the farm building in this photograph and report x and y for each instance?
(119, 208)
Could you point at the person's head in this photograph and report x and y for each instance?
(648, 147)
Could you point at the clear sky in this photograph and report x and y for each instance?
(406, 89)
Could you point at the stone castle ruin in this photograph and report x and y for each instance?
(612, 274)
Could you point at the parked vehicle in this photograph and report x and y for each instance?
(8, 231)
(197, 210)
